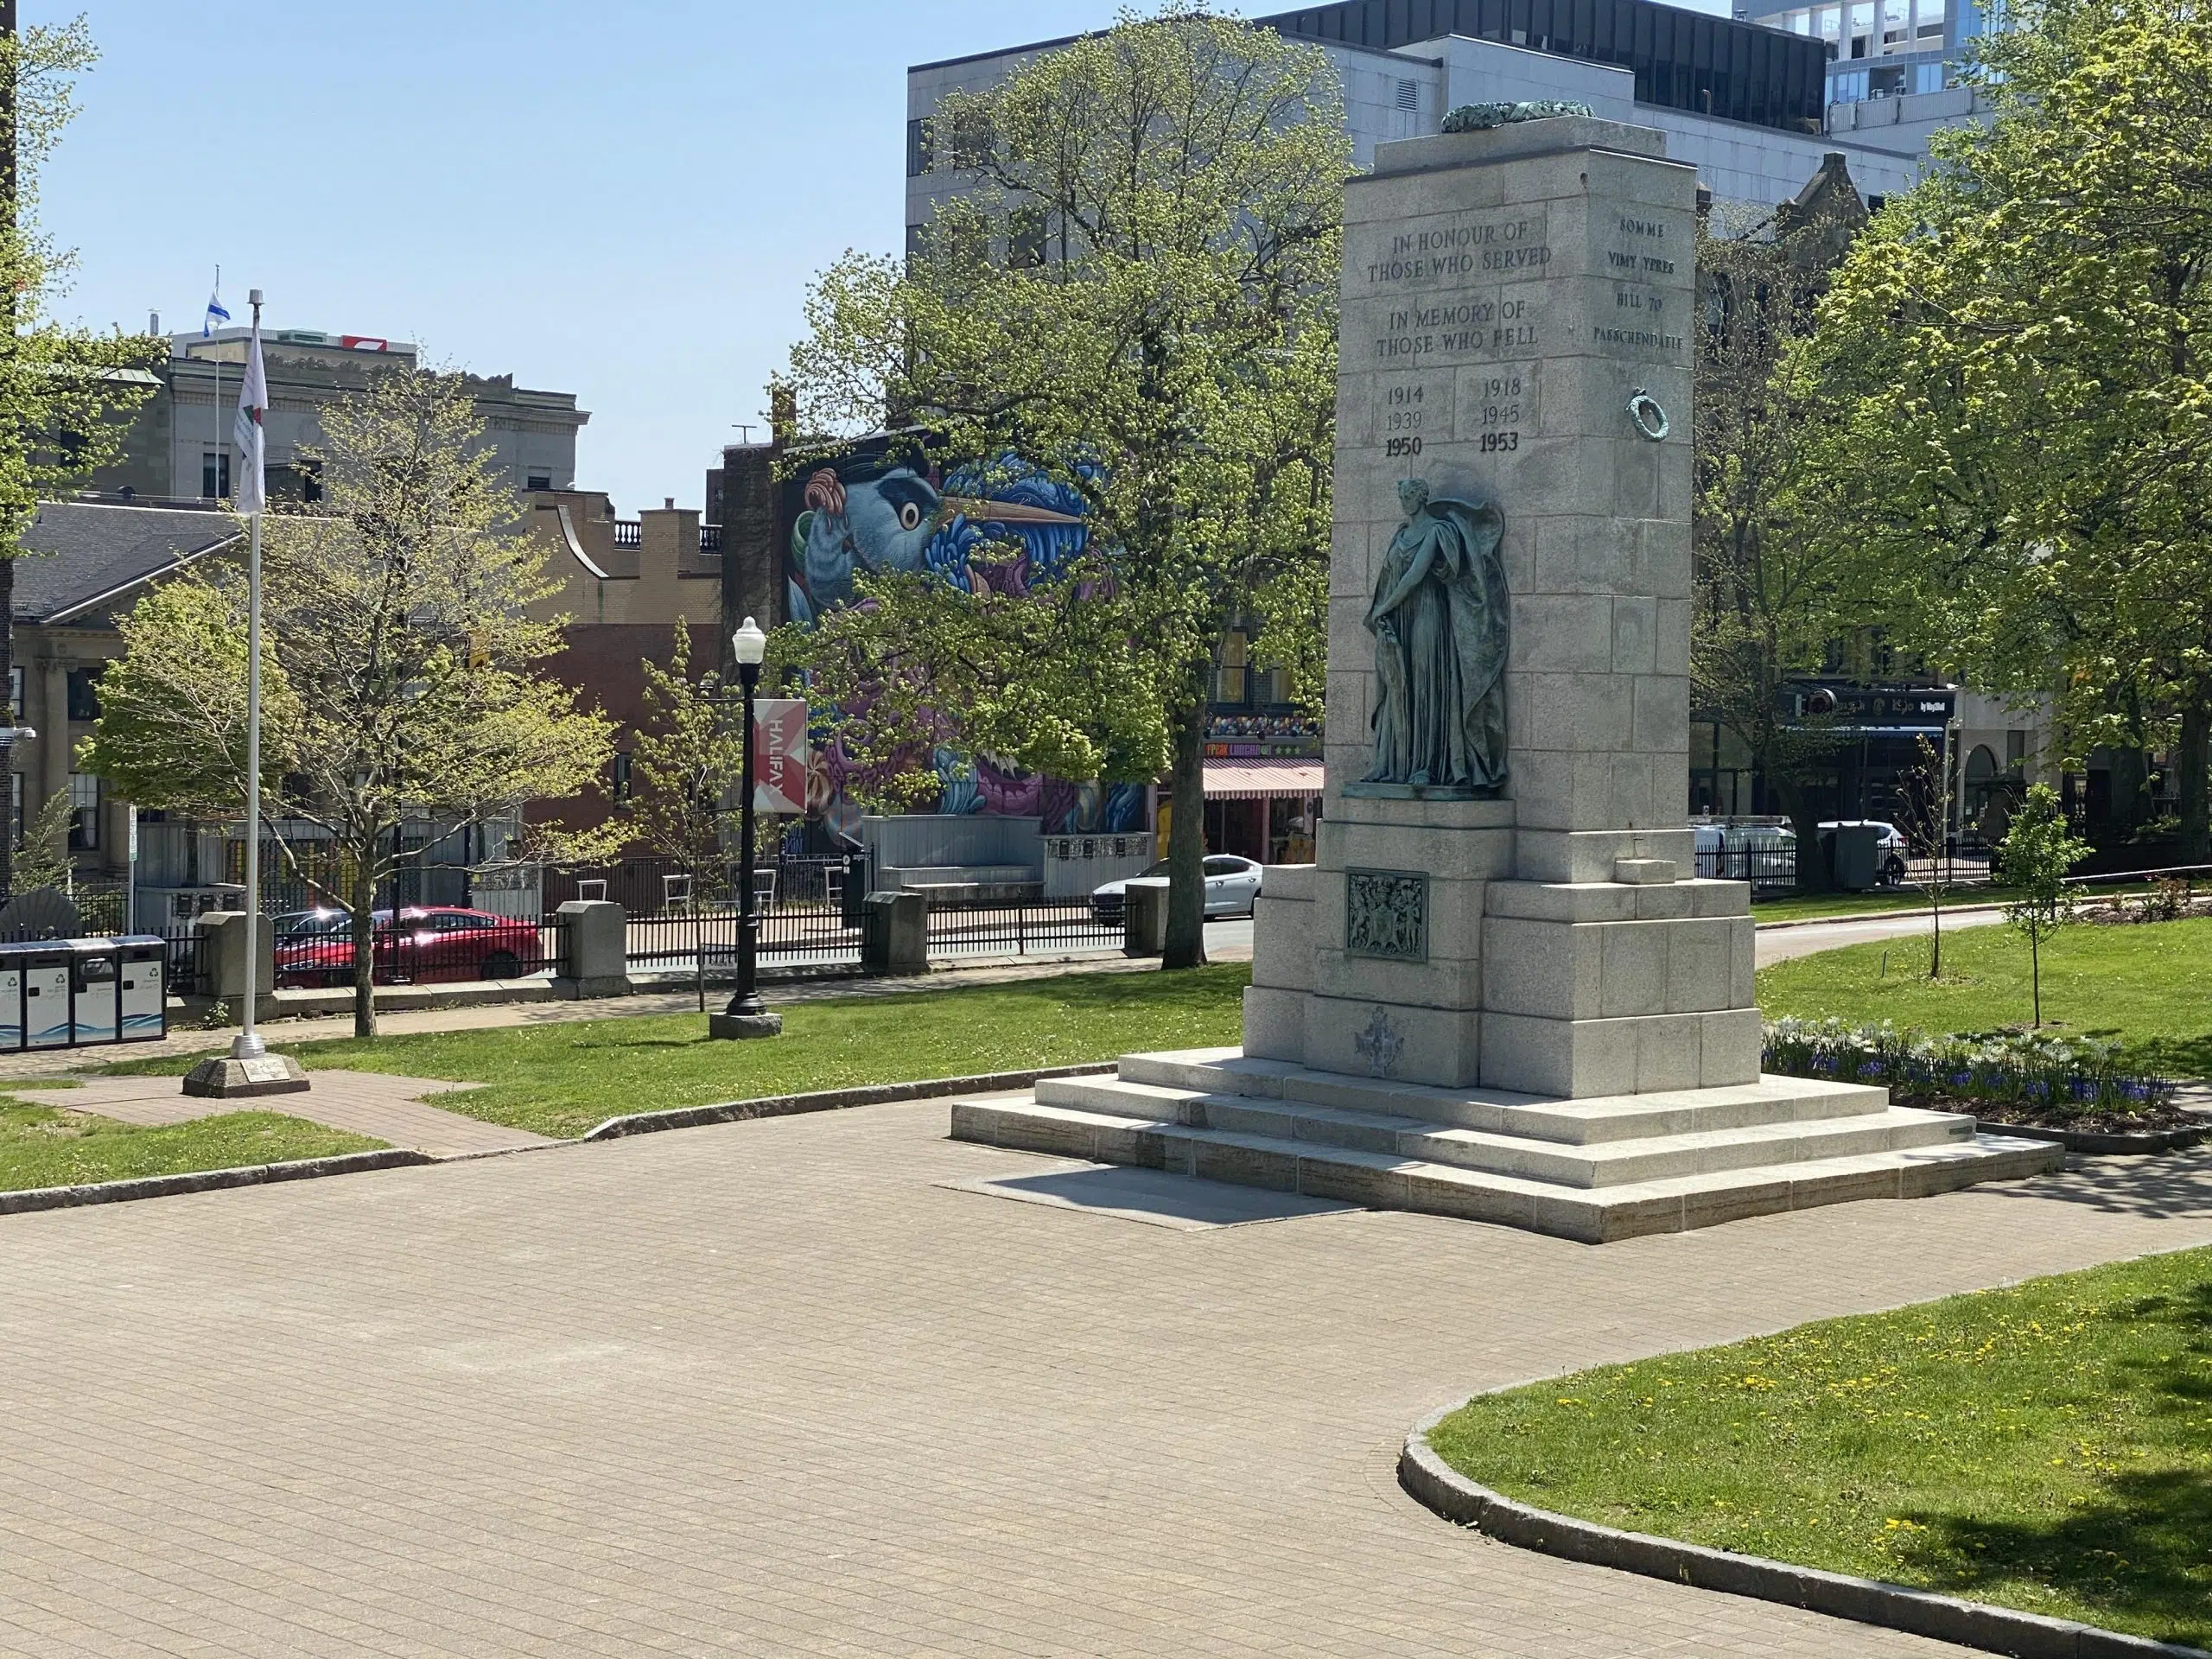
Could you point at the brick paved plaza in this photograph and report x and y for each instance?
(767, 1388)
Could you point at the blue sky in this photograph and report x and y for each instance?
(624, 199)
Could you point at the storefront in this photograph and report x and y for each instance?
(1264, 807)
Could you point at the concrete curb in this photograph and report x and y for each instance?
(1436, 1485)
(831, 1100)
(2093, 1143)
(209, 1180)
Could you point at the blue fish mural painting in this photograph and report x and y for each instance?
(997, 529)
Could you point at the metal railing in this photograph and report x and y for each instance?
(989, 927)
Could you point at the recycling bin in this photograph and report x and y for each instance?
(46, 969)
(12, 997)
(144, 999)
(95, 991)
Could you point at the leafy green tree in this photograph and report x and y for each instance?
(2038, 850)
(1134, 294)
(1769, 599)
(399, 678)
(690, 756)
(66, 393)
(2017, 441)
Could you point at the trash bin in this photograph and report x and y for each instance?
(1858, 857)
(12, 997)
(46, 995)
(95, 991)
(145, 1002)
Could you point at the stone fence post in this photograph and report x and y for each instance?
(223, 969)
(895, 933)
(595, 950)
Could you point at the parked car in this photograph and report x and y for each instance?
(1892, 843)
(424, 945)
(1764, 854)
(1232, 883)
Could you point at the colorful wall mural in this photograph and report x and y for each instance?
(989, 530)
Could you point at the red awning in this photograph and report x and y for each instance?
(1259, 779)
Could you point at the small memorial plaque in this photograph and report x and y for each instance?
(266, 1068)
(1386, 914)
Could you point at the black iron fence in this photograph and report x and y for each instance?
(991, 928)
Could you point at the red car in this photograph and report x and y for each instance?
(428, 944)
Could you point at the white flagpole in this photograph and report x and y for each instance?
(249, 1046)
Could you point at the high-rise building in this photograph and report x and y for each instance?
(1743, 103)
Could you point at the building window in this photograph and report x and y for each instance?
(972, 137)
(215, 476)
(1025, 238)
(84, 694)
(16, 693)
(918, 238)
(919, 158)
(618, 786)
(2015, 751)
(539, 481)
(1229, 682)
(310, 476)
(84, 812)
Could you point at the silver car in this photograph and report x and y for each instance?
(1232, 883)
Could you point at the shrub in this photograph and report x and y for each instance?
(2064, 1076)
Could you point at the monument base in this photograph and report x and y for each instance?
(1595, 1170)
(227, 1078)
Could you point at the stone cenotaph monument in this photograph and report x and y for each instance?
(1501, 993)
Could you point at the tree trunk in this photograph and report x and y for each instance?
(2130, 778)
(2035, 976)
(2189, 780)
(1811, 863)
(364, 962)
(1187, 845)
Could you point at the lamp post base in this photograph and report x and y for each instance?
(227, 1077)
(745, 1025)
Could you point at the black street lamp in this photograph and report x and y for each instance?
(746, 1015)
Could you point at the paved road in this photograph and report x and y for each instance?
(1780, 944)
(767, 1388)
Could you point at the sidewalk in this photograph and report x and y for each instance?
(214, 1038)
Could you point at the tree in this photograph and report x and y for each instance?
(2039, 849)
(687, 760)
(1769, 598)
(397, 679)
(1924, 814)
(1136, 299)
(2020, 450)
(65, 393)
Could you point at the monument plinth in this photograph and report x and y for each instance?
(1500, 991)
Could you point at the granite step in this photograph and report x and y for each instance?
(1594, 1214)
(1144, 1079)
(1611, 1163)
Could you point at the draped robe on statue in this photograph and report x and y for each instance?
(1439, 621)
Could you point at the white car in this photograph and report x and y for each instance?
(1232, 883)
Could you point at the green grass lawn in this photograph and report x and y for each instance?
(50, 1146)
(1820, 907)
(562, 1079)
(2149, 984)
(2047, 1447)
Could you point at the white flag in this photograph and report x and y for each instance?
(247, 434)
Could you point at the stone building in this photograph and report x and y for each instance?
(179, 445)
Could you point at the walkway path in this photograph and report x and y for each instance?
(768, 1390)
(1780, 944)
(386, 1109)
